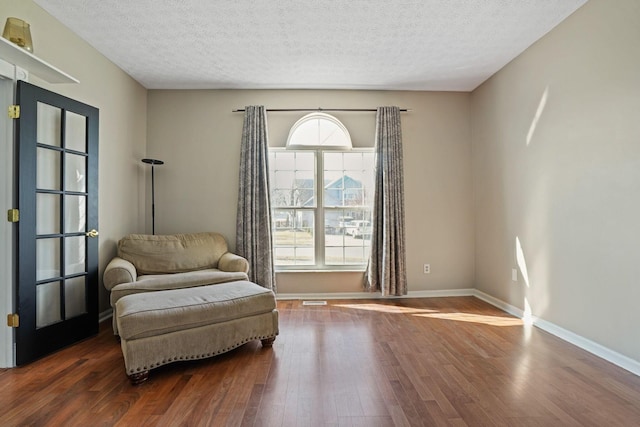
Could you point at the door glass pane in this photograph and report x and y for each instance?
(49, 124)
(75, 132)
(74, 173)
(47, 258)
(47, 213)
(75, 214)
(74, 297)
(74, 252)
(48, 169)
(47, 304)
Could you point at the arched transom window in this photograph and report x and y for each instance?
(319, 130)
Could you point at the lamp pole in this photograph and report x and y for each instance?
(153, 162)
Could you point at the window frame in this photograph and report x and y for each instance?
(319, 211)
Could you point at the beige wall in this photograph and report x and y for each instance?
(556, 167)
(198, 137)
(122, 103)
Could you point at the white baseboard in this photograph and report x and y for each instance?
(514, 311)
(601, 351)
(441, 294)
(105, 315)
(375, 295)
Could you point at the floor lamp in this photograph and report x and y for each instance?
(153, 163)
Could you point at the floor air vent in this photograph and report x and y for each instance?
(315, 302)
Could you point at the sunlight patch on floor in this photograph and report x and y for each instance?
(386, 308)
(475, 318)
(435, 314)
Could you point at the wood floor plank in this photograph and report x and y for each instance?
(413, 362)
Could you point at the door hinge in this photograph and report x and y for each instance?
(13, 320)
(13, 215)
(14, 111)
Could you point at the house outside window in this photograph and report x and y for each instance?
(321, 197)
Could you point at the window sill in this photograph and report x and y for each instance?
(322, 271)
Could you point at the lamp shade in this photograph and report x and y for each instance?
(153, 161)
(19, 32)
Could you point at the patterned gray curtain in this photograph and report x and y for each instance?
(386, 271)
(253, 223)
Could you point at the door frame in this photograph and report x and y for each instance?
(8, 199)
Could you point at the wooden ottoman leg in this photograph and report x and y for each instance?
(268, 342)
(139, 378)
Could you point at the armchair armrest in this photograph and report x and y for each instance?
(119, 271)
(233, 262)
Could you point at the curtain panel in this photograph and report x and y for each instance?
(253, 222)
(386, 270)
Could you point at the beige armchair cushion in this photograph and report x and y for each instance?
(176, 253)
(163, 282)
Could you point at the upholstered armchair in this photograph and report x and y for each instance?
(148, 263)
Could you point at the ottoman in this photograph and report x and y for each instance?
(162, 327)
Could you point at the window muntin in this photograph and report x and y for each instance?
(321, 199)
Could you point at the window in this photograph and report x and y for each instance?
(321, 197)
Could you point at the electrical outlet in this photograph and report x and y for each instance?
(514, 274)
(427, 268)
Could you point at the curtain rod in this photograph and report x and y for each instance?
(281, 110)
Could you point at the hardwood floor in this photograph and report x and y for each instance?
(413, 362)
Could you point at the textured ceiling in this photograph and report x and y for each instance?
(450, 45)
